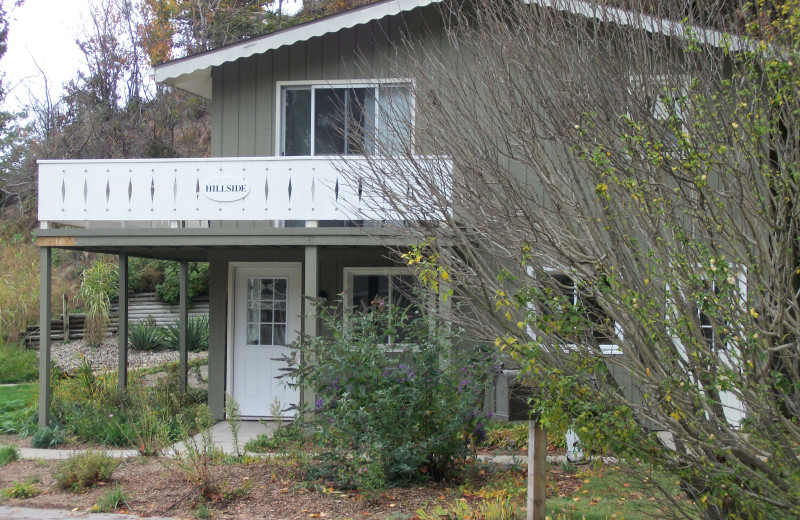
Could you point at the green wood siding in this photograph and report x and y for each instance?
(245, 99)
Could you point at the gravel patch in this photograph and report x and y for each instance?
(102, 358)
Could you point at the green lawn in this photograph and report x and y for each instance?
(612, 493)
(17, 364)
(26, 392)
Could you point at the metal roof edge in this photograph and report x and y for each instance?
(203, 62)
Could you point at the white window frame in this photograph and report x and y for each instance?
(281, 86)
(733, 409)
(605, 348)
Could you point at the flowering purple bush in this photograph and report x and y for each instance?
(414, 407)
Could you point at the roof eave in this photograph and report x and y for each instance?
(193, 73)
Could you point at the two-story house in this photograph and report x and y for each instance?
(270, 210)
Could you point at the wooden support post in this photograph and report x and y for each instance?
(65, 317)
(311, 292)
(537, 470)
(184, 324)
(122, 324)
(45, 267)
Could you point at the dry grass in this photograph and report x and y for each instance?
(19, 286)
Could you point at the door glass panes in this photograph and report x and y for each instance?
(266, 311)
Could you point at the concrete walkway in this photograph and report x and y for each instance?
(220, 435)
(25, 513)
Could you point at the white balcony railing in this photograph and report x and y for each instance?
(166, 191)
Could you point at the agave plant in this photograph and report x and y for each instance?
(146, 336)
(197, 334)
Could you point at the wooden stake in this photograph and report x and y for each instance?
(537, 470)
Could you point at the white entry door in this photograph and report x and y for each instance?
(266, 318)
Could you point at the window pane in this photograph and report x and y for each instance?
(394, 120)
(368, 130)
(402, 287)
(252, 313)
(356, 118)
(266, 335)
(329, 121)
(280, 289)
(280, 313)
(252, 334)
(266, 288)
(297, 122)
(369, 290)
(279, 335)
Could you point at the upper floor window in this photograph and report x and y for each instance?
(350, 119)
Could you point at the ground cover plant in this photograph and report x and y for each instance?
(112, 500)
(398, 412)
(8, 454)
(47, 437)
(26, 489)
(83, 470)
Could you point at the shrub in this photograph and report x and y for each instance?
(197, 334)
(199, 457)
(99, 285)
(111, 500)
(415, 407)
(144, 274)
(83, 470)
(145, 336)
(17, 364)
(25, 489)
(47, 438)
(283, 437)
(8, 454)
(90, 407)
(168, 291)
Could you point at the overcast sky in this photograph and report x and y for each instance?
(43, 32)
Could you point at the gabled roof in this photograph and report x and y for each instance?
(193, 73)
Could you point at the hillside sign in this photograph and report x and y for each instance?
(225, 189)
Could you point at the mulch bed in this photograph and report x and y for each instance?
(273, 489)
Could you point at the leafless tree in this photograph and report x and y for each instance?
(622, 219)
